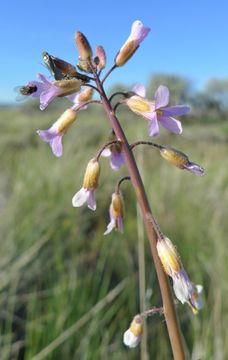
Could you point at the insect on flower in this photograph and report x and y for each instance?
(24, 91)
(61, 69)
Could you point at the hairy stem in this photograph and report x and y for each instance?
(168, 304)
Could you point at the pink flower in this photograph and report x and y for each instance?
(184, 289)
(157, 112)
(90, 183)
(54, 134)
(116, 211)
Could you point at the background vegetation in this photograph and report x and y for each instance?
(68, 292)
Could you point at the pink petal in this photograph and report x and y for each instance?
(138, 31)
(153, 125)
(177, 110)
(161, 97)
(120, 224)
(140, 90)
(56, 145)
(46, 135)
(47, 96)
(80, 197)
(91, 200)
(110, 227)
(117, 160)
(106, 152)
(44, 79)
(171, 124)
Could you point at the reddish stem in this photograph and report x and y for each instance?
(151, 229)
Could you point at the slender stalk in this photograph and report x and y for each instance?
(142, 267)
(108, 73)
(120, 182)
(104, 147)
(168, 304)
(115, 94)
(146, 143)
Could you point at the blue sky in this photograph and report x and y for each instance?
(189, 38)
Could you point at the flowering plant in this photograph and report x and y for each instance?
(79, 87)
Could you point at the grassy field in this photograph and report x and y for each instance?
(68, 292)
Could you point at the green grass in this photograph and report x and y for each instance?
(56, 265)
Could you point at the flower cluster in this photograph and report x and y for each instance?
(77, 85)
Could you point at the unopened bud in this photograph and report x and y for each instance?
(117, 206)
(85, 95)
(137, 35)
(126, 52)
(83, 46)
(133, 335)
(168, 256)
(68, 87)
(100, 54)
(174, 156)
(65, 120)
(91, 175)
(180, 160)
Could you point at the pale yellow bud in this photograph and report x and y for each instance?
(175, 157)
(83, 46)
(168, 256)
(136, 326)
(68, 87)
(91, 175)
(65, 120)
(126, 52)
(117, 206)
(85, 95)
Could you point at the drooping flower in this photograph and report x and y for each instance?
(184, 289)
(137, 35)
(115, 152)
(157, 112)
(54, 134)
(90, 183)
(116, 213)
(133, 335)
(180, 160)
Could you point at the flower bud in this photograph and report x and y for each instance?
(67, 87)
(100, 54)
(180, 160)
(91, 175)
(126, 53)
(168, 256)
(83, 46)
(133, 335)
(137, 35)
(85, 95)
(175, 157)
(117, 206)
